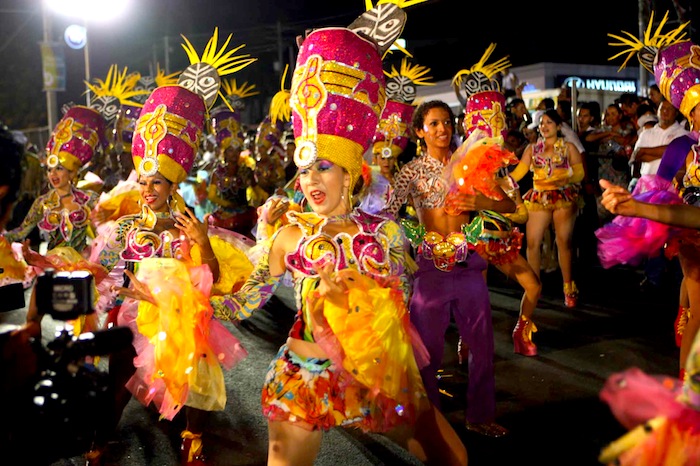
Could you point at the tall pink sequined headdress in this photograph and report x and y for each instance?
(394, 128)
(485, 107)
(168, 131)
(77, 138)
(674, 60)
(336, 97)
(167, 135)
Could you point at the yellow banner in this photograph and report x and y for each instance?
(53, 66)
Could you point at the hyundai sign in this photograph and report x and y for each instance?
(601, 84)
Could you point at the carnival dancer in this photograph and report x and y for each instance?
(179, 265)
(449, 280)
(557, 170)
(341, 258)
(63, 213)
(500, 242)
(631, 238)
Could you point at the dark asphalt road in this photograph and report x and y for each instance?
(549, 402)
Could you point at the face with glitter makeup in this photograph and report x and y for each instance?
(437, 128)
(155, 191)
(325, 187)
(59, 177)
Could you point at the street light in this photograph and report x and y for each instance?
(89, 11)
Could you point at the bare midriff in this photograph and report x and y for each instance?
(305, 349)
(439, 221)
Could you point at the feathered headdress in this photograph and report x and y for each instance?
(674, 60)
(485, 104)
(235, 94)
(203, 76)
(280, 110)
(118, 85)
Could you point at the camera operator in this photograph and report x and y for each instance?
(49, 393)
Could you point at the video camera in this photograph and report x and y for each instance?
(68, 399)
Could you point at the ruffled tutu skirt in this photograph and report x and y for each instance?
(181, 350)
(629, 240)
(370, 338)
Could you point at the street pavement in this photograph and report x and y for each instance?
(549, 402)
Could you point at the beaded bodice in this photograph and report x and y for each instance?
(134, 239)
(64, 227)
(366, 250)
(550, 168)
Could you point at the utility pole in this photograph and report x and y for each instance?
(51, 105)
(642, 71)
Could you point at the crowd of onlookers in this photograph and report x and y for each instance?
(610, 143)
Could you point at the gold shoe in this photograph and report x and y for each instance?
(488, 429)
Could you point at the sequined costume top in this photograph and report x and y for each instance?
(64, 227)
(377, 250)
(691, 179)
(132, 239)
(550, 171)
(422, 182)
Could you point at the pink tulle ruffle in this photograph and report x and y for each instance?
(629, 240)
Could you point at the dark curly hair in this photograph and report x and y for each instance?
(422, 110)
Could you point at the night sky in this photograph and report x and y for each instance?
(439, 33)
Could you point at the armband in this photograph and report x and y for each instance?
(578, 173)
(520, 171)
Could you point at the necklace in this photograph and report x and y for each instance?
(63, 196)
(163, 215)
(339, 218)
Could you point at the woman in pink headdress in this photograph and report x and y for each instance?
(63, 213)
(356, 369)
(167, 250)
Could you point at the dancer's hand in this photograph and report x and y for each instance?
(617, 199)
(278, 206)
(195, 231)
(331, 285)
(139, 291)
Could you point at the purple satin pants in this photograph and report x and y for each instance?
(461, 293)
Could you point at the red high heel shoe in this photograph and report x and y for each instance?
(191, 449)
(522, 337)
(95, 457)
(570, 294)
(679, 324)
